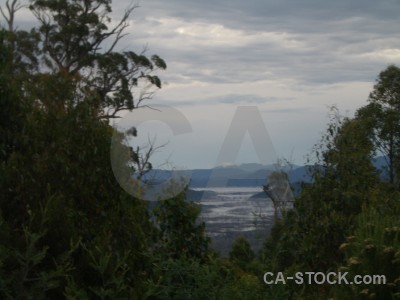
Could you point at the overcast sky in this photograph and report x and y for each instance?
(290, 59)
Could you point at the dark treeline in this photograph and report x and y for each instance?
(68, 230)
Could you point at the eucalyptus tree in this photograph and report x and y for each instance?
(78, 45)
(67, 228)
(382, 115)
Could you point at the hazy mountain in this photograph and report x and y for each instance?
(246, 175)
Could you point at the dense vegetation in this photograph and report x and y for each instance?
(68, 230)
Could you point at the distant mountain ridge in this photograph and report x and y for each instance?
(246, 175)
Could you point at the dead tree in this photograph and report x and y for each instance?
(279, 191)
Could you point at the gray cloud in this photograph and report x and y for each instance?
(244, 99)
(287, 110)
(304, 46)
(248, 99)
(291, 15)
(330, 40)
(311, 41)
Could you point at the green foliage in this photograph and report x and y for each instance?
(241, 252)
(179, 232)
(54, 183)
(68, 230)
(374, 249)
(383, 117)
(217, 279)
(325, 213)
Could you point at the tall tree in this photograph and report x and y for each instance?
(78, 47)
(67, 228)
(325, 211)
(382, 114)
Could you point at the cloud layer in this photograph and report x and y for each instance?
(290, 58)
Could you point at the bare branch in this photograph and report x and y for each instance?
(107, 117)
(143, 163)
(148, 106)
(11, 10)
(118, 30)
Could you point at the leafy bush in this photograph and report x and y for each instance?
(374, 249)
